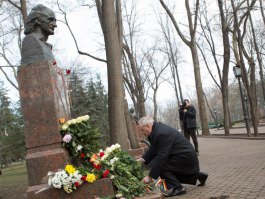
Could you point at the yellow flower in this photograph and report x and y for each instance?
(90, 177)
(70, 169)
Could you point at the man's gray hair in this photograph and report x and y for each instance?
(146, 120)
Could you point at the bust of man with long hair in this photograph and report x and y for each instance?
(40, 24)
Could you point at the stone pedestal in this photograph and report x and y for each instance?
(44, 100)
(99, 188)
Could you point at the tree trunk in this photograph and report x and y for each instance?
(24, 10)
(140, 108)
(224, 80)
(111, 30)
(201, 102)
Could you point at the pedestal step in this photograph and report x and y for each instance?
(151, 196)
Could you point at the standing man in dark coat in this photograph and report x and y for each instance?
(187, 115)
(170, 156)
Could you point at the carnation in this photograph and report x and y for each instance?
(78, 148)
(67, 138)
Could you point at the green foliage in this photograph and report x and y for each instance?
(89, 97)
(83, 138)
(81, 141)
(12, 146)
(127, 174)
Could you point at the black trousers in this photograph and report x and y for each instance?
(192, 133)
(174, 180)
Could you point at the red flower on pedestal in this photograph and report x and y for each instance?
(105, 174)
(54, 62)
(76, 184)
(83, 178)
(68, 71)
(96, 166)
(82, 155)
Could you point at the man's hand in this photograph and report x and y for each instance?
(146, 180)
(141, 160)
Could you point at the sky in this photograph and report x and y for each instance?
(85, 25)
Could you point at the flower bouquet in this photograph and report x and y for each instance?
(81, 140)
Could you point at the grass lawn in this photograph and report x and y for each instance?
(14, 182)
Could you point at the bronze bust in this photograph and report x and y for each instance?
(40, 24)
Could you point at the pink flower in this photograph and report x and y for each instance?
(67, 138)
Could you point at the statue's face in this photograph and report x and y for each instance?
(47, 22)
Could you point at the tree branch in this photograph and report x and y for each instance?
(73, 36)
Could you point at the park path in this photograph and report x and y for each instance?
(236, 169)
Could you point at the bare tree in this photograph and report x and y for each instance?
(238, 39)
(210, 39)
(260, 62)
(132, 75)
(109, 12)
(173, 55)
(192, 45)
(10, 33)
(155, 78)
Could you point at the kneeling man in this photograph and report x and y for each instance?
(170, 156)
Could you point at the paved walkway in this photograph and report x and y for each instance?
(237, 130)
(236, 169)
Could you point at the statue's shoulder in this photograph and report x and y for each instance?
(34, 49)
(31, 39)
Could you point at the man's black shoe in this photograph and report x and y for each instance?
(202, 177)
(177, 192)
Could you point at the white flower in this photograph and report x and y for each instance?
(86, 117)
(117, 146)
(79, 120)
(119, 195)
(104, 156)
(112, 177)
(78, 148)
(69, 122)
(73, 121)
(113, 160)
(56, 182)
(65, 127)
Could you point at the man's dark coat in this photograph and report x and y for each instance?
(170, 151)
(189, 117)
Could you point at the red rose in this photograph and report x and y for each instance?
(82, 155)
(101, 154)
(96, 166)
(76, 184)
(104, 175)
(83, 178)
(53, 62)
(68, 71)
